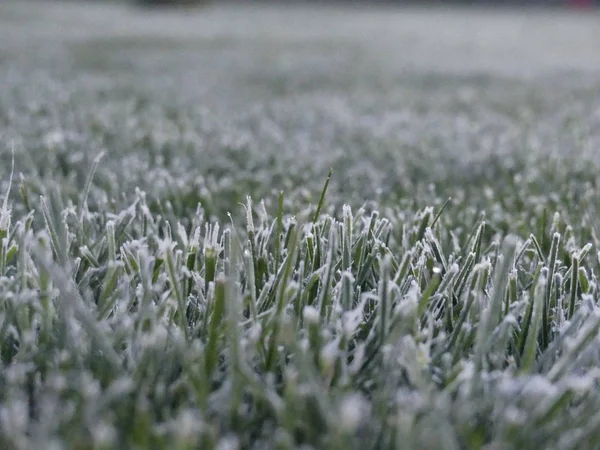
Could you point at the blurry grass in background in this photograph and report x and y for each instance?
(171, 2)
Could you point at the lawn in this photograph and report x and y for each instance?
(298, 227)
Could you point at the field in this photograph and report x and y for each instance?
(290, 227)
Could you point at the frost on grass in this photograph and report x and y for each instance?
(146, 301)
(334, 333)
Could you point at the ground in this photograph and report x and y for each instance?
(131, 130)
(259, 99)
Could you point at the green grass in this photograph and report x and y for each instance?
(298, 232)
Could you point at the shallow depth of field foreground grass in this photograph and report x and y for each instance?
(179, 271)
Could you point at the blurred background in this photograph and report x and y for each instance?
(258, 98)
(567, 3)
(554, 3)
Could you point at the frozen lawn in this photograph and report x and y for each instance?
(375, 316)
(251, 100)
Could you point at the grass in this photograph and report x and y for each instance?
(275, 236)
